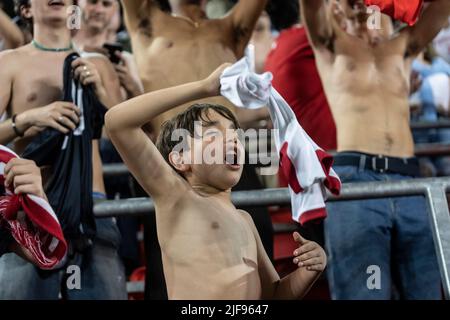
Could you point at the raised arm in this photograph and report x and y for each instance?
(133, 11)
(433, 19)
(137, 12)
(9, 32)
(314, 15)
(244, 16)
(124, 122)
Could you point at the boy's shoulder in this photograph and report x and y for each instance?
(248, 218)
(244, 214)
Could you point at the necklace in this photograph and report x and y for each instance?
(44, 48)
(194, 23)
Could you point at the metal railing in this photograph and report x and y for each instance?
(115, 169)
(432, 149)
(425, 125)
(434, 190)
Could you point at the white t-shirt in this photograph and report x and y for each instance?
(442, 44)
(440, 84)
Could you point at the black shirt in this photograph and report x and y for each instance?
(69, 189)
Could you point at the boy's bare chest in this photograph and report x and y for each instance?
(204, 231)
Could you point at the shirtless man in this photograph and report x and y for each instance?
(172, 48)
(210, 249)
(30, 87)
(365, 74)
(98, 18)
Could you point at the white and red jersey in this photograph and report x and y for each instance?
(306, 166)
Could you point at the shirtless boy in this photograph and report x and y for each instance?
(175, 43)
(210, 249)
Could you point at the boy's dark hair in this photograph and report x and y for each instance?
(186, 121)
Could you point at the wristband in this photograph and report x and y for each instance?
(14, 126)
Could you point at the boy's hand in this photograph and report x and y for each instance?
(309, 254)
(212, 83)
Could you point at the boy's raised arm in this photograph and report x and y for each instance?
(124, 122)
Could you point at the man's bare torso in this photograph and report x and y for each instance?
(170, 51)
(209, 250)
(37, 82)
(367, 86)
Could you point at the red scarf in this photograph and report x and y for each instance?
(405, 10)
(39, 230)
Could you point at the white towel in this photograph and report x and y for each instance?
(305, 165)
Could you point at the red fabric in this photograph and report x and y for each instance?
(296, 78)
(313, 215)
(331, 183)
(405, 10)
(40, 231)
(288, 169)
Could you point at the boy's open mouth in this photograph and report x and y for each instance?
(232, 160)
(56, 3)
